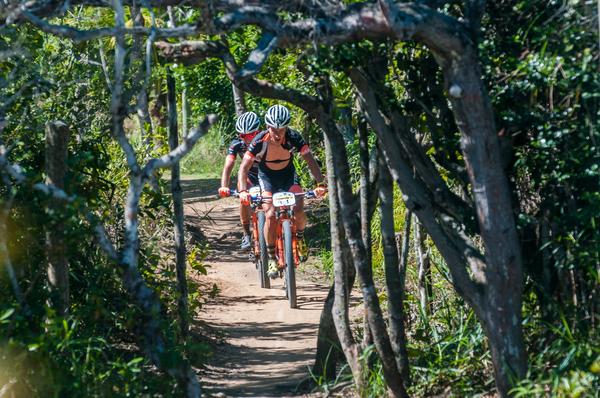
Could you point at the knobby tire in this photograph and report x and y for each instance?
(290, 271)
(263, 259)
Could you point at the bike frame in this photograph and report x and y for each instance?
(282, 213)
(255, 206)
(285, 213)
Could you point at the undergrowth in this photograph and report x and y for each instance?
(94, 351)
(447, 348)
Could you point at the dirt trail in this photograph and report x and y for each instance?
(267, 347)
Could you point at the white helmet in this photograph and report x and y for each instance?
(277, 116)
(247, 123)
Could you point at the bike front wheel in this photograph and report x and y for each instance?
(263, 258)
(290, 271)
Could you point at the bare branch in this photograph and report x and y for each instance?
(365, 20)
(105, 68)
(79, 35)
(264, 88)
(190, 52)
(103, 239)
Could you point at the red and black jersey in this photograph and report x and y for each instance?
(292, 141)
(238, 148)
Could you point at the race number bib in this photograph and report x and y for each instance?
(284, 199)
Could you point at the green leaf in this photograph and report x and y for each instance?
(7, 314)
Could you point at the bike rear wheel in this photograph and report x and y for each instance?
(290, 270)
(263, 259)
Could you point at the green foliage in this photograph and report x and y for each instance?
(94, 351)
(326, 263)
(64, 362)
(567, 360)
(549, 67)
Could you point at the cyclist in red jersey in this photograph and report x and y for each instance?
(247, 127)
(273, 150)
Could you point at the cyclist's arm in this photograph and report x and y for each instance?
(227, 168)
(313, 166)
(245, 167)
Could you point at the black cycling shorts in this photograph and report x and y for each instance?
(278, 180)
(253, 179)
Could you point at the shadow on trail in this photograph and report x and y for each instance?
(242, 300)
(265, 360)
(199, 189)
(311, 302)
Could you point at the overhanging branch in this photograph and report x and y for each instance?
(190, 52)
(258, 56)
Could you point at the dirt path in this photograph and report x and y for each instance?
(267, 347)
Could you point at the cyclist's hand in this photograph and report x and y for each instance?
(224, 192)
(320, 191)
(244, 198)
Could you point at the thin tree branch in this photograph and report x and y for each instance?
(80, 35)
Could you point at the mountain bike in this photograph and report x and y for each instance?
(286, 244)
(261, 256)
(258, 255)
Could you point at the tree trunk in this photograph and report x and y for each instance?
(329, 350)
(57, 139)
(143, 114)
(328, 342)
(184, 111)
(351, 227)
(157, 111)
(144, 119)
(178, 221)
(493, 284)
(341, 278)
(405, 245)
(394, 272)
(424, 269)
(503, 272)
(238, 100)
(366, 206)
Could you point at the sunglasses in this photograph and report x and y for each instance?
(249, 135)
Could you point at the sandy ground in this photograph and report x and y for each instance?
(264, 348)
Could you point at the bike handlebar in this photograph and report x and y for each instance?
(254, 198)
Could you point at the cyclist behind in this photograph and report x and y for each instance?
(273, 150)
(247, 127)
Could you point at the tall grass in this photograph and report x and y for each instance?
(207, 157)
